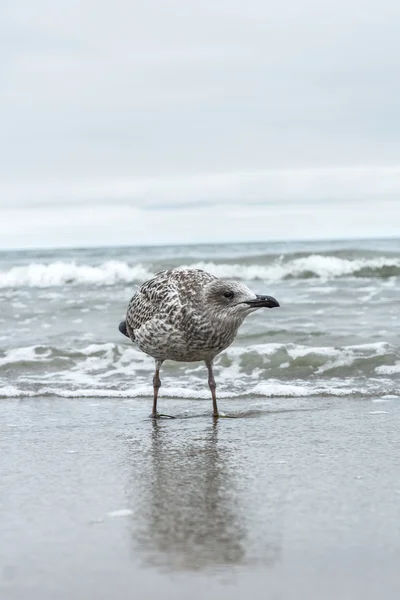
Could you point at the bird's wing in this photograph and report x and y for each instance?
(145, 304)
(169, 292)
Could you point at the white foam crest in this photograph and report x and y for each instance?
(314, 265)
(89, 359)
(124, 351)
(114, 271)
(120, 358)
(235, 352)
(60, 273)
(345, 357)
(272, 389)
(24, 354)
(268, 389)
(388, 369)
(143, 391)
(295, 351)
(10, 391)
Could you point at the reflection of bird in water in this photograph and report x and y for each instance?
(188, 315)
(186, 515)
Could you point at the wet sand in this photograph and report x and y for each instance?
(294, 499)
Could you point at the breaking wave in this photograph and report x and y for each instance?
(270, 390)
(308, 267)
(115, 271)
(273, 370)
(118, 363)
(67, 273)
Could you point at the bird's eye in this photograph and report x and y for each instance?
(228, 294)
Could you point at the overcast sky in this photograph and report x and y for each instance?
(198, 121)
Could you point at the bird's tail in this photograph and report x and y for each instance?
(122, 328)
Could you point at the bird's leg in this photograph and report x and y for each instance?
(212, 385)
(156, 387)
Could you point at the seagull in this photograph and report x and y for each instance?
(188, 315)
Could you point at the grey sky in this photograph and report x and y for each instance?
(278, 113)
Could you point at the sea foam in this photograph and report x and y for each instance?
(64, 273)
(272, 389)
(113, 272)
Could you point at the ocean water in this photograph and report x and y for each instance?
(335, 335)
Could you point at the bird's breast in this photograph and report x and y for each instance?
(169, 343)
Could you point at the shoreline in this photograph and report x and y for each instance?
(99, 501)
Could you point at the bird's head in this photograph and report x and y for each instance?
(234, 298)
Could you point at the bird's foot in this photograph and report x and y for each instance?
(223, 416)
(161, 416)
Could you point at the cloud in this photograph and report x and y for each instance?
(109, 224)
(158, 108)
(275, 186)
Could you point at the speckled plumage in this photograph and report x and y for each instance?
(188, 315)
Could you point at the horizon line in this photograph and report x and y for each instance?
(193, 244)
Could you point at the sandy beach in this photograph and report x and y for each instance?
(294, 499)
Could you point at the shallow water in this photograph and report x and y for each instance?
(298, 499)
(335, 335)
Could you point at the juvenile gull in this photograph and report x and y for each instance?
(188, 315)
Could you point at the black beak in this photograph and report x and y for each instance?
(259, 301)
